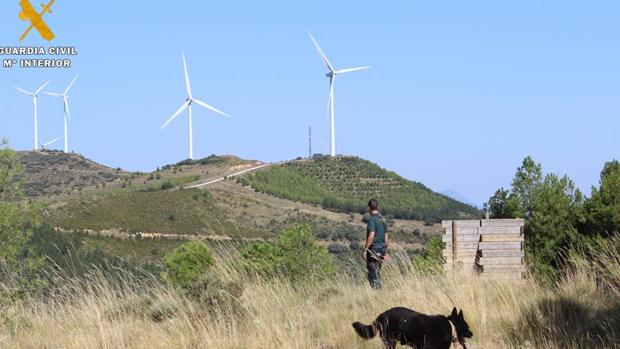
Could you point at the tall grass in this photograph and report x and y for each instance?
(581, 310)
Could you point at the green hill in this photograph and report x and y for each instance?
(79, 194)
(345, 184)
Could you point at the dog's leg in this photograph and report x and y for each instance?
(389, 343)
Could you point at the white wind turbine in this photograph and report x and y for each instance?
(34, 96)
(330, 103)
(67, 112)
(188, 105)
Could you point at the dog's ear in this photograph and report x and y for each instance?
(461, 314)
(453, 312)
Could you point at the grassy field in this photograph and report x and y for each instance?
(581, 310)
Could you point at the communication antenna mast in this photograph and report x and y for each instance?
(309, 141)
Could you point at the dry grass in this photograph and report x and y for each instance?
(582, 310)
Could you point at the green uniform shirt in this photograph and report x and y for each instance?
(377, 224)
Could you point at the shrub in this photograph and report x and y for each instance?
(186, 263)
(166, 185)
(295, 256)
(431, 259)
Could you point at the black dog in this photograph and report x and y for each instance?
(407, 327)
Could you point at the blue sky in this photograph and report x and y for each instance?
(459, 93)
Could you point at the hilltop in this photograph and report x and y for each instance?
(327, 194)
(345, 184)
(54, 173)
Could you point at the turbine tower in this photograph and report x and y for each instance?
(188, 105)
(67, 113)
(330, 102)
(34, 96)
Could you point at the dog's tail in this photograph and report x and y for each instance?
(365, 331)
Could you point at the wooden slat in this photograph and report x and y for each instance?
(502, 222)
(462, 252)
(500, 245)
(461, 245)
(461, 224)
(500, 260)
(501, 253)
(500, 230)
(460, 237)
(463, 231)
(501, 238)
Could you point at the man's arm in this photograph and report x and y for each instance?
(369, 239)
(386, 241)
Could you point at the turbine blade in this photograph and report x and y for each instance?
(316, 44)
(24, 91)
(41, 88)
(201, 103)
(51, 142)
(71, 84)
(53, 94)
(182, 109)
(188, 86)
(348, 70)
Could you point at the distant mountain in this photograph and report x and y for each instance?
(345, 184)
(451, 193)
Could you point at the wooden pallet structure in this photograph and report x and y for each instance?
(491, 247)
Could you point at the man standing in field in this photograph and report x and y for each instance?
(375, 249)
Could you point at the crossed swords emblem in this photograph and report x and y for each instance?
(35, 18)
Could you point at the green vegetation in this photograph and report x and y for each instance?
(210, 160)
(49, 172)
(294, 255)
(431, 258)
(557, 215)
(345, 184)
(187, 263)
(179, 211)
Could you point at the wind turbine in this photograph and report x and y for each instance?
(34, 96)
(188, 105)
(67, 112)
(330, 102)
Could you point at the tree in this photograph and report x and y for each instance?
(603, 208)
(550, 229)
(20, 260)
(10, 189)
(503, 205)
(527, 179)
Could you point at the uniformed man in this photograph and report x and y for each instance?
(375, 249)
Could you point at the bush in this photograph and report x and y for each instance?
(186, 263)
(167, 185)
(431, 259)
(295, 256)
